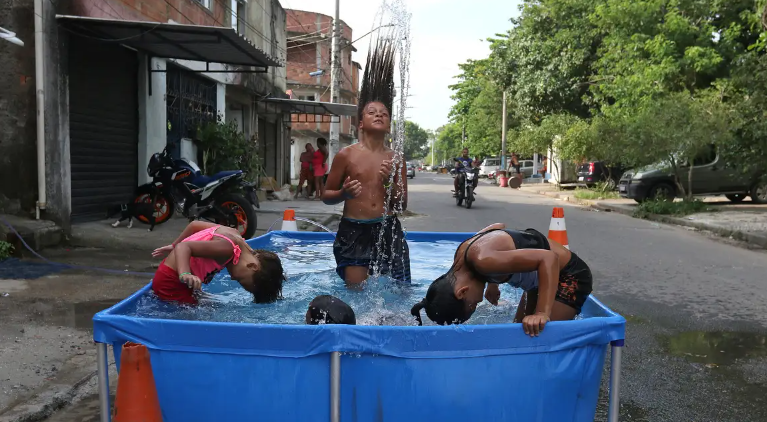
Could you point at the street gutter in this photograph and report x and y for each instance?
(750, 238)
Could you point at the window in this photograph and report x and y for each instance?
(707, 156)
(306, 97)
(205, 3)
(237, 8)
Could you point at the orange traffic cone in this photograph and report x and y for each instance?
(557, 229)
(136, 399)
(289, 221)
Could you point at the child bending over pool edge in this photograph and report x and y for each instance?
(556, 281)
(361, 176)
(201, 251)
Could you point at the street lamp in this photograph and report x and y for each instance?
(10, 36)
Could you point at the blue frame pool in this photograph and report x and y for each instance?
(210, 371)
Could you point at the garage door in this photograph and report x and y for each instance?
(103, 126)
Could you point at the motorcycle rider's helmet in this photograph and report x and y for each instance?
(155, 165)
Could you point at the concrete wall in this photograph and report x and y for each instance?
(152, 114)
(18, 165)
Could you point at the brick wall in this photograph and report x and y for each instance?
(302, 60)
(180, 11)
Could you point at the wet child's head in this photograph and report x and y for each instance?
(262, 275)
(326, 309)
(441, 303)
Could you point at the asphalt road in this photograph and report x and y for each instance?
(696, 347)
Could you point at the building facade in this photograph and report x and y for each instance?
(123, 79)
(309, 56)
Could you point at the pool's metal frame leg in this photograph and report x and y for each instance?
(615, 379)
(103, 374)
(335, 387)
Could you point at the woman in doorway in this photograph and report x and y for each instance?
(320, 165)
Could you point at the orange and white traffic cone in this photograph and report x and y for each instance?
(289, 221)
(557, 228)
(136, 398)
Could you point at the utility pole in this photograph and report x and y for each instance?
(433, 141)
(503, 135)
(334, 85)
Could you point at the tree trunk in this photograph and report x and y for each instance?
(689, 184)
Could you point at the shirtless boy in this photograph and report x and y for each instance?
(370, 235)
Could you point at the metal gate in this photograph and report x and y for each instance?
(190, 102)
(103, 126)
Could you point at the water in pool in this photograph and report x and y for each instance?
(311, 271)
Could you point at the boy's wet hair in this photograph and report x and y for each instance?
(268, 280)
(322, 142)
(378, 79)
(440, 303)
(326, 309)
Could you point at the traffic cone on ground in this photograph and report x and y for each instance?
(557, 228)
(136, 398)
(289, 221)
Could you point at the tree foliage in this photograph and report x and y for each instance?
(416, 141)
(634, 82)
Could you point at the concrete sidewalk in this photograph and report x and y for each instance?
(746, 221)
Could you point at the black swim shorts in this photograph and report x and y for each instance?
(574, 283)
(357, 245)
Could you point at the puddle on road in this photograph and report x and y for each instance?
(84, 311)
(717, 348)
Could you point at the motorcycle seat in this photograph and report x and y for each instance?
(203, 180)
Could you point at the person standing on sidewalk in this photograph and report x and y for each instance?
(306, 171)
(320, 166)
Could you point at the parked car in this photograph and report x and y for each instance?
(411, 171)
(710, 176)
(490, 166)
(593, 172)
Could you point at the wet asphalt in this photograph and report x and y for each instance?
(696, 346)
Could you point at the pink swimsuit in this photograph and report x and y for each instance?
(166, 283)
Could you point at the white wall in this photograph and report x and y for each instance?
(152, 115)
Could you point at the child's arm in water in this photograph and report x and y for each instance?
(523, 261)
(191, 228)
(348, 188)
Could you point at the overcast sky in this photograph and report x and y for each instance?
(444, 33)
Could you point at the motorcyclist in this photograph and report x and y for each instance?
(462, 164)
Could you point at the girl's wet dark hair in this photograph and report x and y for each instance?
(268, 280)
(328, 309)
(440, 303)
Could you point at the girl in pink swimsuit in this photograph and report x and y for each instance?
(204, 249)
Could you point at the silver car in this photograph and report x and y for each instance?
(411, 171)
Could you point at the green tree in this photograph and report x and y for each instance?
(448, 141)
(416, 141)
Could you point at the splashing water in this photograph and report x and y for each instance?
(311, 272)
(395, 14)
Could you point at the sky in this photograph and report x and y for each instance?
(444, 33)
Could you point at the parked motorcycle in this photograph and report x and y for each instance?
(179, 185)
(467, 181)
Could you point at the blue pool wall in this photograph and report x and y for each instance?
(210, 371)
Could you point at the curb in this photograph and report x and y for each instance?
(750, 238)
(57, 395)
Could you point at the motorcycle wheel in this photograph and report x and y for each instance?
(469, 198)
(164, 207)
(241, 209)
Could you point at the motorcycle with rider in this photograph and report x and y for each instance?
(466, 179)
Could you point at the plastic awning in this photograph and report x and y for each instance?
(209, 44)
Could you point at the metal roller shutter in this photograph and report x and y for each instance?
(103, 126)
